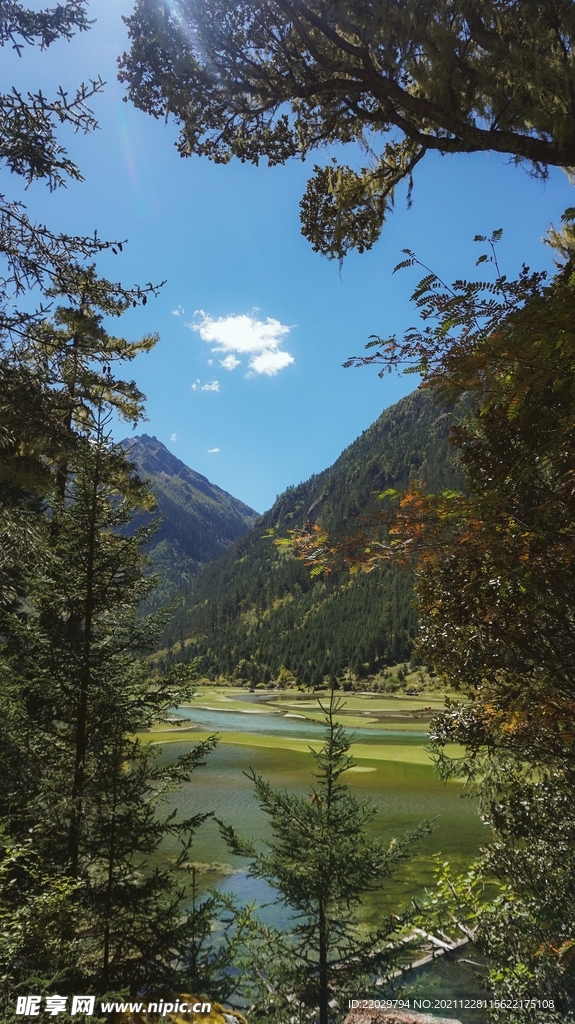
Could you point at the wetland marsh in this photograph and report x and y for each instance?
(272, 732)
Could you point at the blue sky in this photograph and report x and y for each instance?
(246, 384)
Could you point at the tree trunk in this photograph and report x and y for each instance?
(323, 979)
(85, 679)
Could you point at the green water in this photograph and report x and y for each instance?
(404, 793)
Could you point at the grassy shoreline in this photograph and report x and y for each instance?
(395, 713)
(410, 753)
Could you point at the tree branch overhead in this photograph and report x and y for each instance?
(282, 78)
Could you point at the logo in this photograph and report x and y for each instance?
(83, 1004)
(29, 1006)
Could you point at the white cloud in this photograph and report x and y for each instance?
(214, 385)
(260, 340)
(229, 363)
(212, 450)
(173, 437)
(179, 311)
(270, 363)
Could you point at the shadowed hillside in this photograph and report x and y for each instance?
(199, 521)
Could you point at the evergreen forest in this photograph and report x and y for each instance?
(257, 614)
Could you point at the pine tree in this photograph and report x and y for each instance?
(495, 583)
(37, 266)
(82, 796)
(82, 818)
(321, 862)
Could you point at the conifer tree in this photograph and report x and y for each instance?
(82, 906)
(38, 267)
(321, 862)
(84, 900)
(495, 583)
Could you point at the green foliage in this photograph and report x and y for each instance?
(287, 77)
(498, 622)
(77, 787)
(32, 255)
(321, 862)
(28, 143)
(55, 354)
(82, 813)
(518, 902)
(19, 25)
(256, 609)
(494, 579)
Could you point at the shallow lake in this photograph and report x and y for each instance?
(269, 723)
(404, 793)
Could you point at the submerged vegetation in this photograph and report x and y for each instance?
(321, 862)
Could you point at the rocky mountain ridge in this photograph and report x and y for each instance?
(199, 521)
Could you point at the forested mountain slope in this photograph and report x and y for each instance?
(198, 520)
(256, 612)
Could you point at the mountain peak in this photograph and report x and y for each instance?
(151, 456)
(198, 520)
